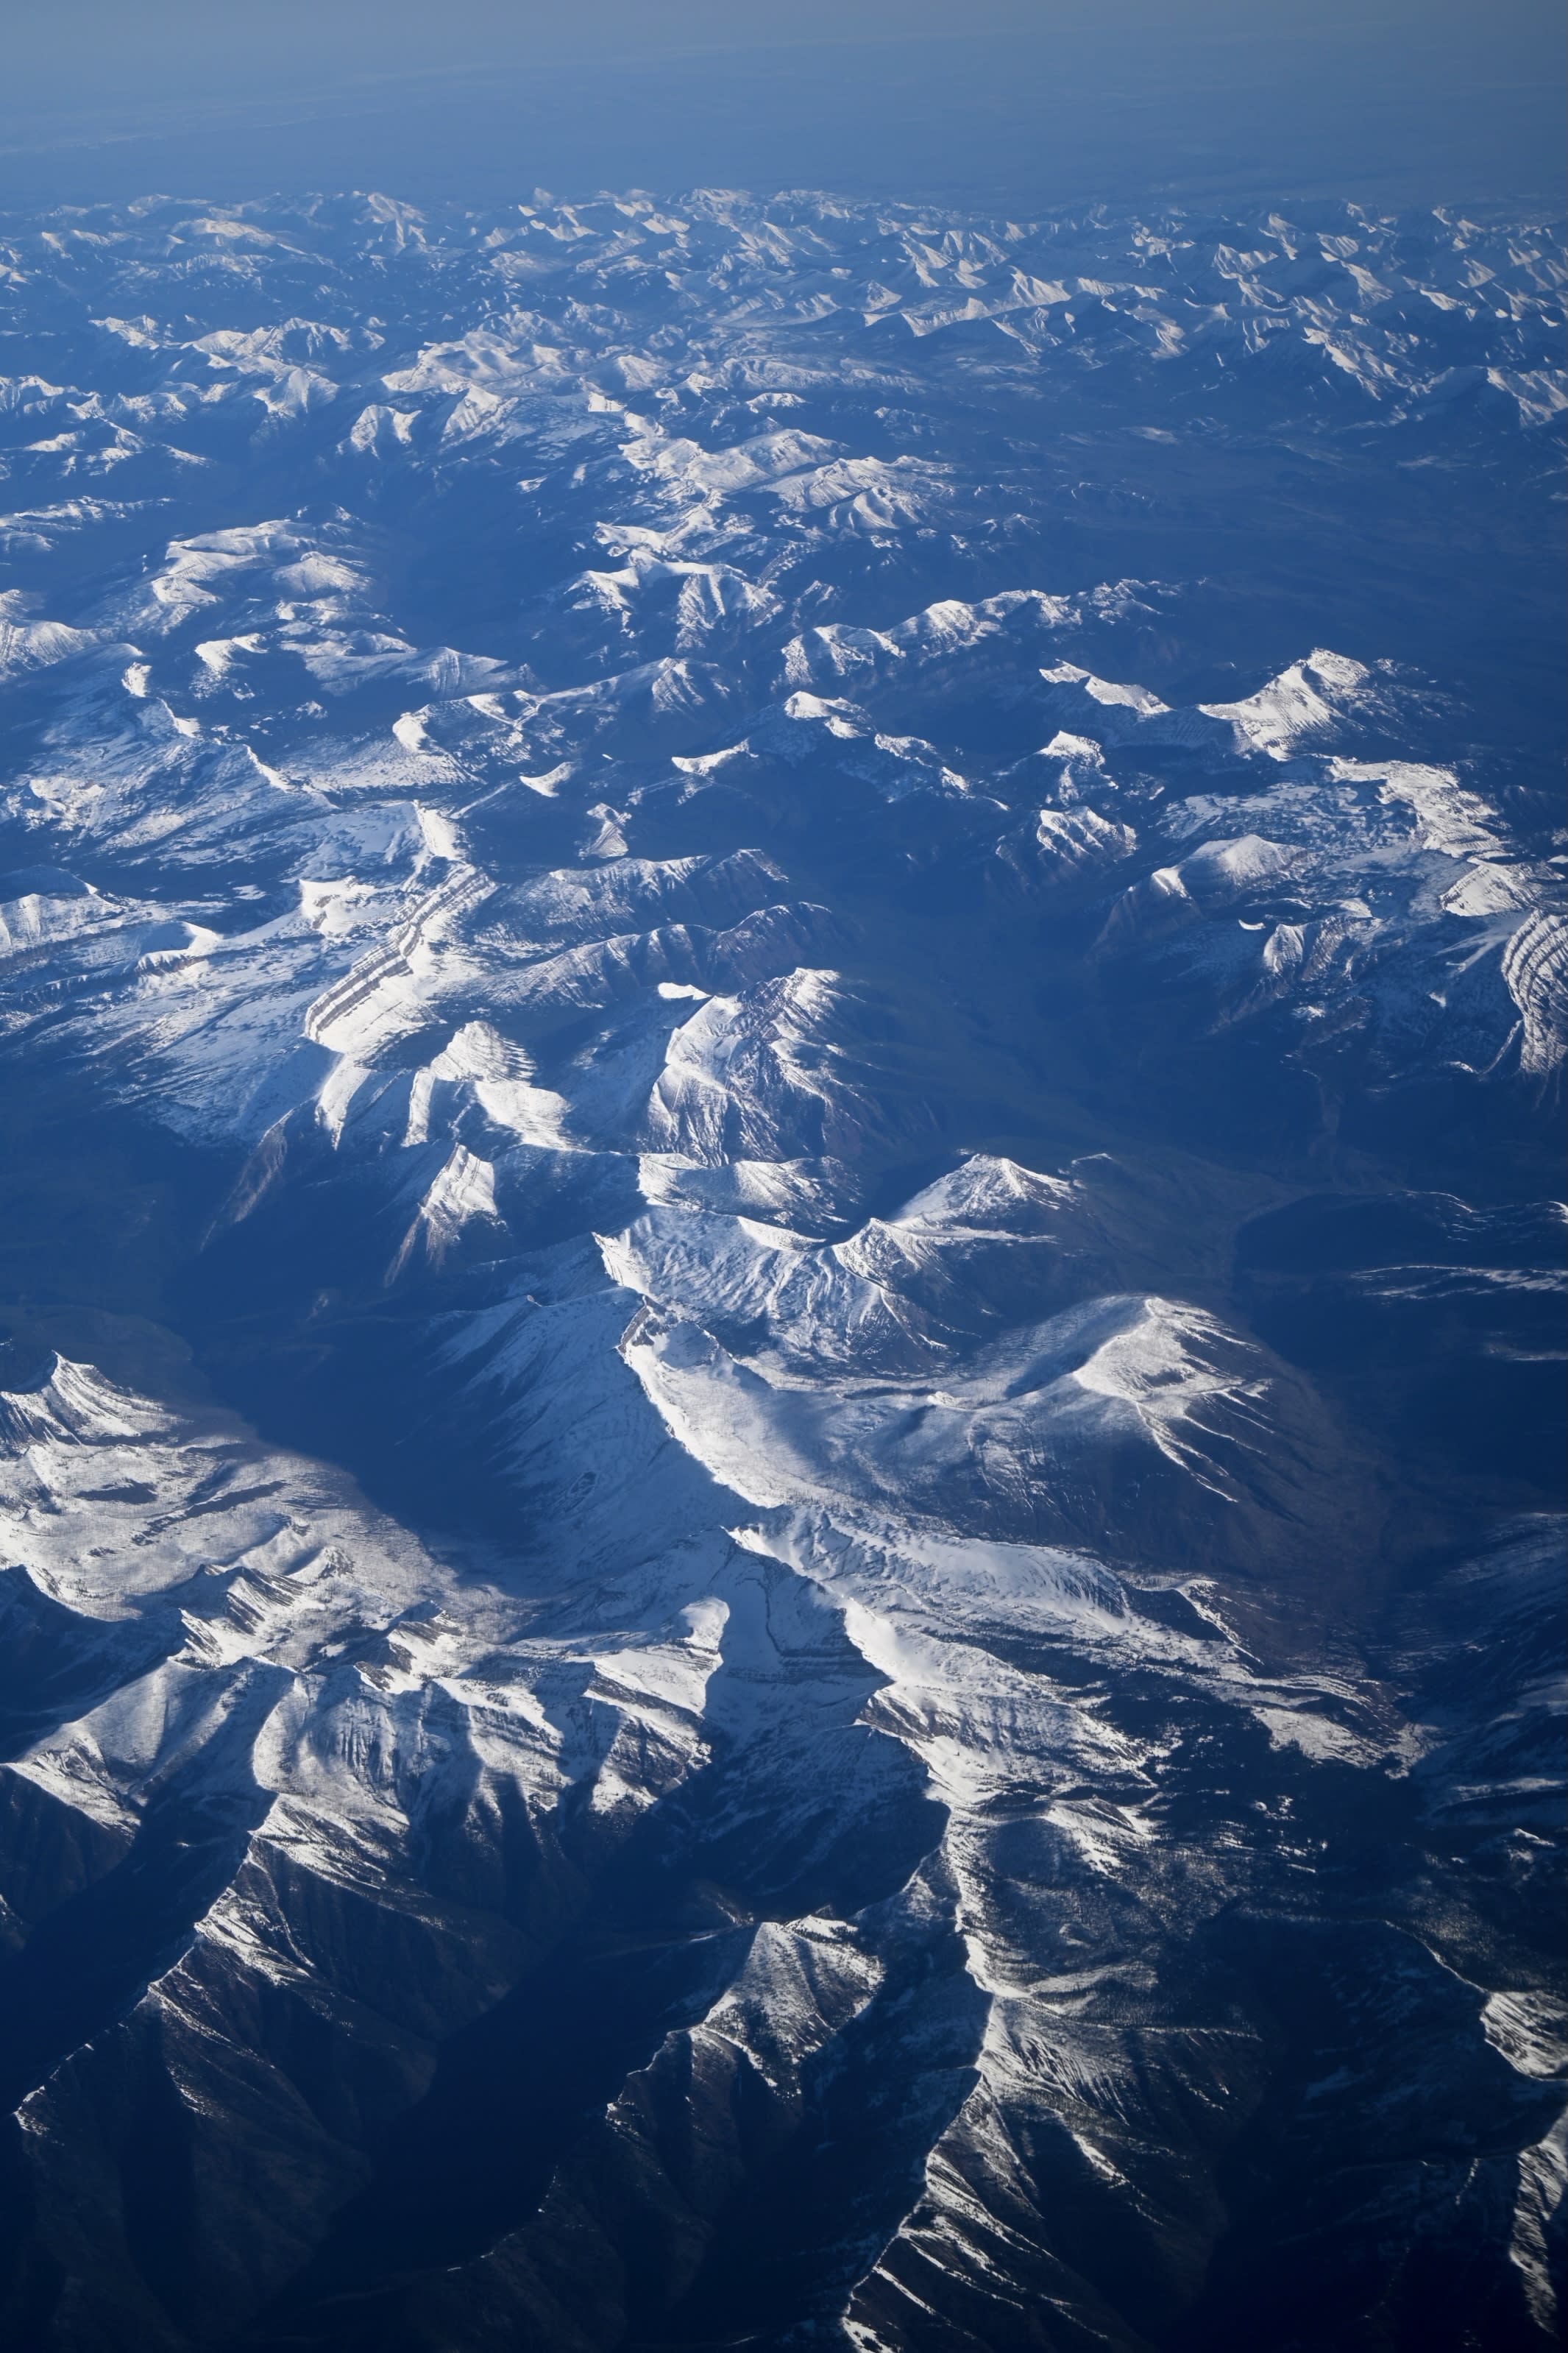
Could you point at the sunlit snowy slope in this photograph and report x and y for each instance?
(784, 1001)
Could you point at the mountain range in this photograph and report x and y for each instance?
(780, 1424)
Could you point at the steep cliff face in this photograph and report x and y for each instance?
(778, 1444)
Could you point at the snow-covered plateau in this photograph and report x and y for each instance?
(783, 1002)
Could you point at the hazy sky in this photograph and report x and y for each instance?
(1016, 100)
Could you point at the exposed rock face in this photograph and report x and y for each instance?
(777, 1447)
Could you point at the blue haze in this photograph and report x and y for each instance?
(784, 992)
